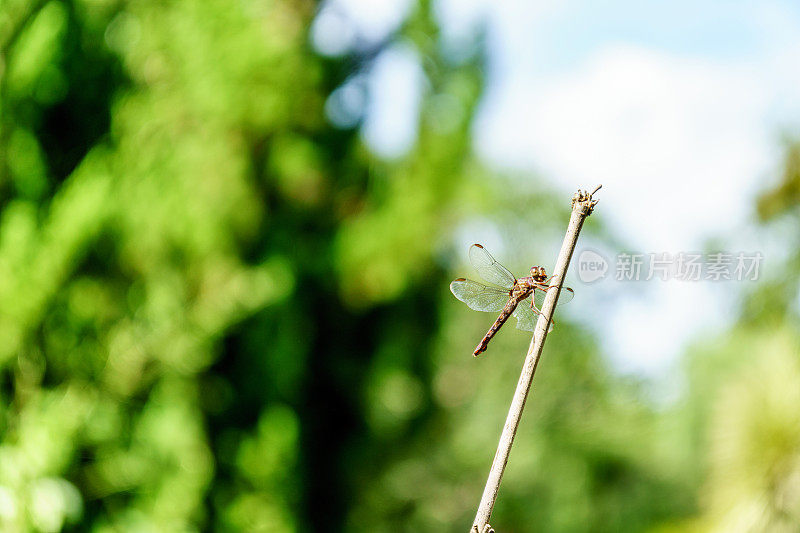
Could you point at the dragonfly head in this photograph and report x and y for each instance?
(538, 274)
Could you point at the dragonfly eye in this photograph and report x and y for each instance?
(538, 273)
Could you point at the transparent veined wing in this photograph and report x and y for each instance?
(527, 316)
(478, 296)
(489, 269)
(566, 296)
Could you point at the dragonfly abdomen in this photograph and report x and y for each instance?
(507, 311)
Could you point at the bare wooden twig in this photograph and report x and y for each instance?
(582, 206)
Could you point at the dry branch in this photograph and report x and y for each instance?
(582, 206)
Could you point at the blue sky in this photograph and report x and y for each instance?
(680, 101)
(712, 29)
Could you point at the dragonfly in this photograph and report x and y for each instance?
(505, 293)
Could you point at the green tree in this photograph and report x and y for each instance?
(219, 311)
(744, 388)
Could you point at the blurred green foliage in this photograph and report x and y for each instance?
(217, 311)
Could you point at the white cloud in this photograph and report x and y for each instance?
(679, 144)
(676, 142)
(395, 83)
(342, 25)
(679, 132)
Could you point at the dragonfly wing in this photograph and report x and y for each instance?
(478, 296)
(526, 316)
(566, 296)
(489, 269)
